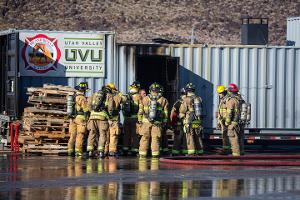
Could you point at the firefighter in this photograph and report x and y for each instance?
(153, 114)
(100, 105)
(221, 116)
(176, 123)
(190, 112)
(232, 120)
(130, 110)
(78, 122)
(114, 121)
(164, 147)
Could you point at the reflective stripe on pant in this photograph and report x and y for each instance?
(77, 130)
(148, 131)
(98, 129)
(112, 138)
(179, 140)
(234, 139)
(130, 137)
(194, 141)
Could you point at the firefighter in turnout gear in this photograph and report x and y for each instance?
(100, 105)
(79, 117)
(191, 114)
(177, 125)
(221, 117)
(114, 121)
(233, 120)
(153, 114)
(164, 146)
(130, 109)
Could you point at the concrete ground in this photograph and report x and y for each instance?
(59, 177)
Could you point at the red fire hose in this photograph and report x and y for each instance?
(248, 160)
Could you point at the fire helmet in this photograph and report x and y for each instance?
(83, 86)
(220, 89)
(135, 84)
(233, 88)
(111, 86)
(155, 87)
(190, 87)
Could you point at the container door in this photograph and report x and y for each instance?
(2, 72)
(11, 73)
(172, 90)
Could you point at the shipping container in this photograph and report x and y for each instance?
(267, 77)
(293, 31)
(32, 58)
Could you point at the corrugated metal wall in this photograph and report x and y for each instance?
(293, 30)
(267, 77)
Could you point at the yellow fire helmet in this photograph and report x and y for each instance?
(111, 86)
(220, 89)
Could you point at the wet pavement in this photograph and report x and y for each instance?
(58, 177)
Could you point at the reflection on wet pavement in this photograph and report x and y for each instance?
(53, 177)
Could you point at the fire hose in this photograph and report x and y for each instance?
(247, 160)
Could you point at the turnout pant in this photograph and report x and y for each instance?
(130, 137)
(98, 129)
(194, 141)
(179, 140)
(235, 139)
(112, 138)
(150, 131)
(77, 130)
(225, 138)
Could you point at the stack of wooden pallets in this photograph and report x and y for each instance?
(46, 122)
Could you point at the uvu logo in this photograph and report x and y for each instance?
(93, 55)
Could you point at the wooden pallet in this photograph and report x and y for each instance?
(59, 87)
(47, 100)
(56, 135)
(43, 138)
(50, 96)
(35, 111)
(43, 106)
(45, 149)
(33, 124)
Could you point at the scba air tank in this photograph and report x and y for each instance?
(248, 112)
(152, 109)
(98, 101)
(244, 112)
(127, 105)
(197, 107)
(71, 105)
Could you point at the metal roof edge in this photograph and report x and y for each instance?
(293, 18)
(8, 31)
(205, 45)
(140, 44)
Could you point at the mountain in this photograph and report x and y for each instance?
(214, 21)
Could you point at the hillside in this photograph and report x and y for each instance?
(215, 21)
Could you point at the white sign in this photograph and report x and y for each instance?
(62, 54)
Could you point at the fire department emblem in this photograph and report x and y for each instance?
(41, 54)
